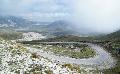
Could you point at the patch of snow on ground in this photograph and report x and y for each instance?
(32, 36)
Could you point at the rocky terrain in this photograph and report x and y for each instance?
(29, 36)
(15, 58)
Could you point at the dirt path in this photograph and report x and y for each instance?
(103, 60)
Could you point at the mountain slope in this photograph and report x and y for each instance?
(115, 34)
(12, 21)
(60, 28)
(112, 36)
(9, 34)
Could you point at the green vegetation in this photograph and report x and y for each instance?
(48, 72)
(72, 67)
(114, 48)
(67, 38)
(111, 46)
(9, 34)
(110, 42)
(113, 36)
(34, 55)
(115, 70)
(35, 69)
(74, 51)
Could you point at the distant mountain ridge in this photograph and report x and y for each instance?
(117, 33)
(20, 23)
(12, 21)
(60, 27)
(58, 24)
(56, 28)
(111, 36)
(114, 34)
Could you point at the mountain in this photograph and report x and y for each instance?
(114, 34)
(58, 25)
(56, 28)
(9, 34)
(14, 22)
(60, 28)
(111, 36)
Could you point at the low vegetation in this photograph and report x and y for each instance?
(110, 42)
(15, 59)
(72, 67)
(9, 34)
(75, 51)
(114, 48)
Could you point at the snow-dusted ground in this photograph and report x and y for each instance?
(16, 58)
(103, 60)
(32, 36)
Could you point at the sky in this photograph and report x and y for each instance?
(97, 15)
(36, 9)
(87, 15)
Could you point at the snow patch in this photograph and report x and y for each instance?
(32, 36)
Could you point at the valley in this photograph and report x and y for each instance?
(51, 49)
(59, 36)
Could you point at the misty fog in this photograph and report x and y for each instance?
(96, 16)
(86, 15)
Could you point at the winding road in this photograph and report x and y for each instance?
(103, 59)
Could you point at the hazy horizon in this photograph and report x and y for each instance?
(87, 15)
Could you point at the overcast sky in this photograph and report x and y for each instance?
(90, 15)
(97, 15)
(36, 9)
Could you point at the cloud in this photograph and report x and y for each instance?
(87, 15)
(34, 8)
(96, 15)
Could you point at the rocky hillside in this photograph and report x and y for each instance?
(12, 21)
(17, 59)
(112, 36)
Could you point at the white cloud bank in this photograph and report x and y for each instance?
(88, 15)
(44, 10)
(96, 15)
